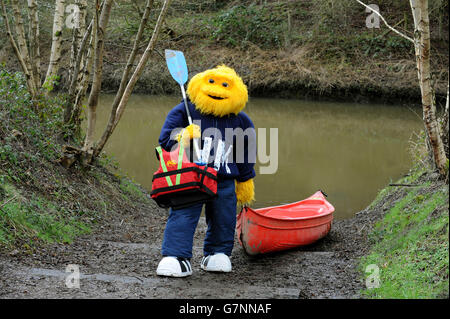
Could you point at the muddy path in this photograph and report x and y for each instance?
(119, 260)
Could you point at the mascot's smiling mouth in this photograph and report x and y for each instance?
(216, 97)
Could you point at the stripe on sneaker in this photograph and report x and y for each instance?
(186, 268)
(184, 264)
(189, 265)
(205, 260)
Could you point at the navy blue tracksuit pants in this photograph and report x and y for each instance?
(221, 220)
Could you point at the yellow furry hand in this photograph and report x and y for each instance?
(245, 192)
(190, 132)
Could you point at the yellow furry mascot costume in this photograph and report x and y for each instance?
(216, 100)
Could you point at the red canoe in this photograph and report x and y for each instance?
(283, 227)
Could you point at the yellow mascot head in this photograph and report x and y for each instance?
(219, 91)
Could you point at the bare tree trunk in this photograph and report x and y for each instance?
(78, 33)
(97, 76)
(30, 82)
(20, 33)
(143, 61)
(422, 49)
(445, 125)
(33, 18)
(125, 76)
(55, 54)
(82, 4)
(90, 150)
(22, 45)
(75, 79)
(78, 60)
(82, 84)
(445, 132)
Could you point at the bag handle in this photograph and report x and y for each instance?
(163, 164)
(180, 162)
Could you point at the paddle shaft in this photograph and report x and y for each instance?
(196, 148)
(183, 92)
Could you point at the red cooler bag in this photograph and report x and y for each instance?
(179, 183)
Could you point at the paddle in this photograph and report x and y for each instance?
(176, 63)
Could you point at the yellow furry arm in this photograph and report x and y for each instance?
(190, 132)
(245, 192)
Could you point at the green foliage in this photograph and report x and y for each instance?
(199, 6)
(39, 123)
(50, 83)
(378, 45)
(241, 24)
(7, 154)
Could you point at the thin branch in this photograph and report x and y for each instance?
(395, 25)
(140, 67)
(125, 78)
(387, 24)
(7, 201)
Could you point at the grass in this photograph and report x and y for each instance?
(410, 178)
(410, 244)
(27, 221)
(130, 189)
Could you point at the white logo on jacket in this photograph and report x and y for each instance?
(220, 151)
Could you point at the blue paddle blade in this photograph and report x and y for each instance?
(177, 66)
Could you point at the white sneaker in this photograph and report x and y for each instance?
(217, 262)
(174, 267)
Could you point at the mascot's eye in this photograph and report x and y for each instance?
(211, 81)
(225, 84)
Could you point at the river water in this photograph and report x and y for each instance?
(348, 150)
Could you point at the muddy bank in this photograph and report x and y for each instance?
(281, 75)
(119, 259)
(290, 74)
(290, 88)
(297, 72)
